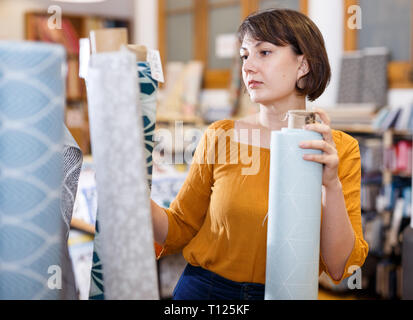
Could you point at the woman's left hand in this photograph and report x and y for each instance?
(329, 157)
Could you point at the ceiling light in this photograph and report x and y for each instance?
(79, 1)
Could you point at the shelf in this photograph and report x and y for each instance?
(368, 129)
(356, 128)
(185, 119)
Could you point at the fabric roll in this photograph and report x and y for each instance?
(350, 78)
(147, 101)
(374, 76)
(125, 227)
(294, 214)
(363, 76)
(32, 97)
(97, 287)
(72, 164)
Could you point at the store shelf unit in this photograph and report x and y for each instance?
(386, 205)
(73, 27)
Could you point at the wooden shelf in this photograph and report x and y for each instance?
(355, 128)
(368, 129)
(174, 117)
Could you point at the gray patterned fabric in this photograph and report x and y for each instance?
(363, 77)
(170, 269)
(127, 253)
(72, 163)
(374, 81)
(350, 78)
(147, 102)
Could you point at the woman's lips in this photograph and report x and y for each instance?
(252, 84)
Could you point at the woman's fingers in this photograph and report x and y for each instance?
(323, 129)
(318, 144)
(323, 115)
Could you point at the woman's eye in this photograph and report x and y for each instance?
(244, 57)
(265, 52)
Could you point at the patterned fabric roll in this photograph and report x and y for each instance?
(32, 97)
(294, 206)
(374, 76)
(125, 239)
(72, 164)
(147, 101)
(350, 78)
(363, 76)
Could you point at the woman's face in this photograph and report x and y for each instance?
(269, 72)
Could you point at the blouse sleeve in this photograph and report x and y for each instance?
(349, 172)
(187, 211)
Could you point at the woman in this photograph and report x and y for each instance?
(218, 216)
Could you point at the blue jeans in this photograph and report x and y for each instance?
(197, 283)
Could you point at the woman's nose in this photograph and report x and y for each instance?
(249, 65)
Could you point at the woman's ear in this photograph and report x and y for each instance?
(303, 68)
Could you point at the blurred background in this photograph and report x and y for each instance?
(370, 96)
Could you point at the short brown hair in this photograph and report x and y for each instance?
(283, 27)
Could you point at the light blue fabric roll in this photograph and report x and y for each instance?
(32, 96)
(294, 214)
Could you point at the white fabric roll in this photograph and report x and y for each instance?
(127, 250)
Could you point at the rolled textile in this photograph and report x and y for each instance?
(125, 226)
(97, 286)
(294, 214)
(72, 164)
(147, 104)
(374, 77)
(32, 97)
(147, 100)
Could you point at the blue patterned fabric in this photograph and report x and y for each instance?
(97, 289)
(32, 95)
(294, 206)
(147, 102)
(147, 98)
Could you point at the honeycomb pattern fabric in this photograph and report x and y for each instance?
(32, 96)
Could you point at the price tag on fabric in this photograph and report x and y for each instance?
(154, 60)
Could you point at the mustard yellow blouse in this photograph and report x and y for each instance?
(218, 216)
